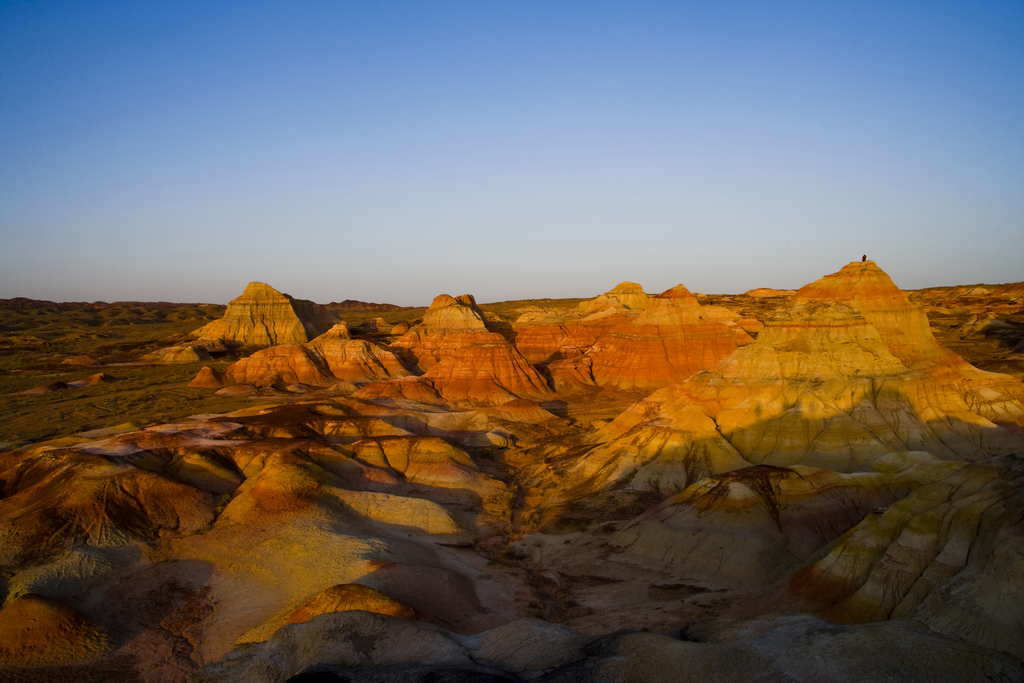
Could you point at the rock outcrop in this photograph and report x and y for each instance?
(750, 526)
(826, 384)
(662, 340)
(671, 340)
(381, 649)
(207, 378)
(177, 355)
(263, 316)
(947, 556)
(764, 292)
(625, 295)
(330, 358)
(352, 596)
(465, 362)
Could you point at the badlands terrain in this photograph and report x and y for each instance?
(809, 485)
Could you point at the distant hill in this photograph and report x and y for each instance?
(353, 305)
(20, 302)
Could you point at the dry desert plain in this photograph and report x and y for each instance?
(813, 485)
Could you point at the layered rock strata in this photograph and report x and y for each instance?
(671, 340)
(661, 340)
(465, 363)
(263, 316)
(826, 384)
(330, 358)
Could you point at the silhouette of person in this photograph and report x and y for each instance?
(863, 258)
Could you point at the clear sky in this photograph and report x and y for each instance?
(393, 151)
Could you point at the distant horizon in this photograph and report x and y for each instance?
(390, 152)
(479, 301)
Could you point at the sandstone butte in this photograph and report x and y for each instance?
(330, 358)
(848, 373)
(668, 338)
(263, 316)
(465, 362)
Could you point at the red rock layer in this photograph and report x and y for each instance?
(476, 368)
(542, 343)
(671, 340)
(465, 363)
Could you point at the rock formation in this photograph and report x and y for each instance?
(764, 292)
(625, 295)
(176, 355)
(382, 649)
(263, 316)
(778, 516)
(207, 378)
(944, 556)
(352, 596)
(330, 358)
(672, 339)
(826, 384)
(663, 340)
(465, 362)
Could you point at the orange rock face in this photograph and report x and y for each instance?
(330, 358)
(208, 378)
(904, 328)
(671, 340)
(263, 316)
(546, 342)
(352, 596)
(465, 362)
(424, 345)
(664, 340)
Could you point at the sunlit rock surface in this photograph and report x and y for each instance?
(263, 316)
(464, 361)
(330, 358)
(774, 486)
(822, 386)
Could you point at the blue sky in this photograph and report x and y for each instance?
(393, 151)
